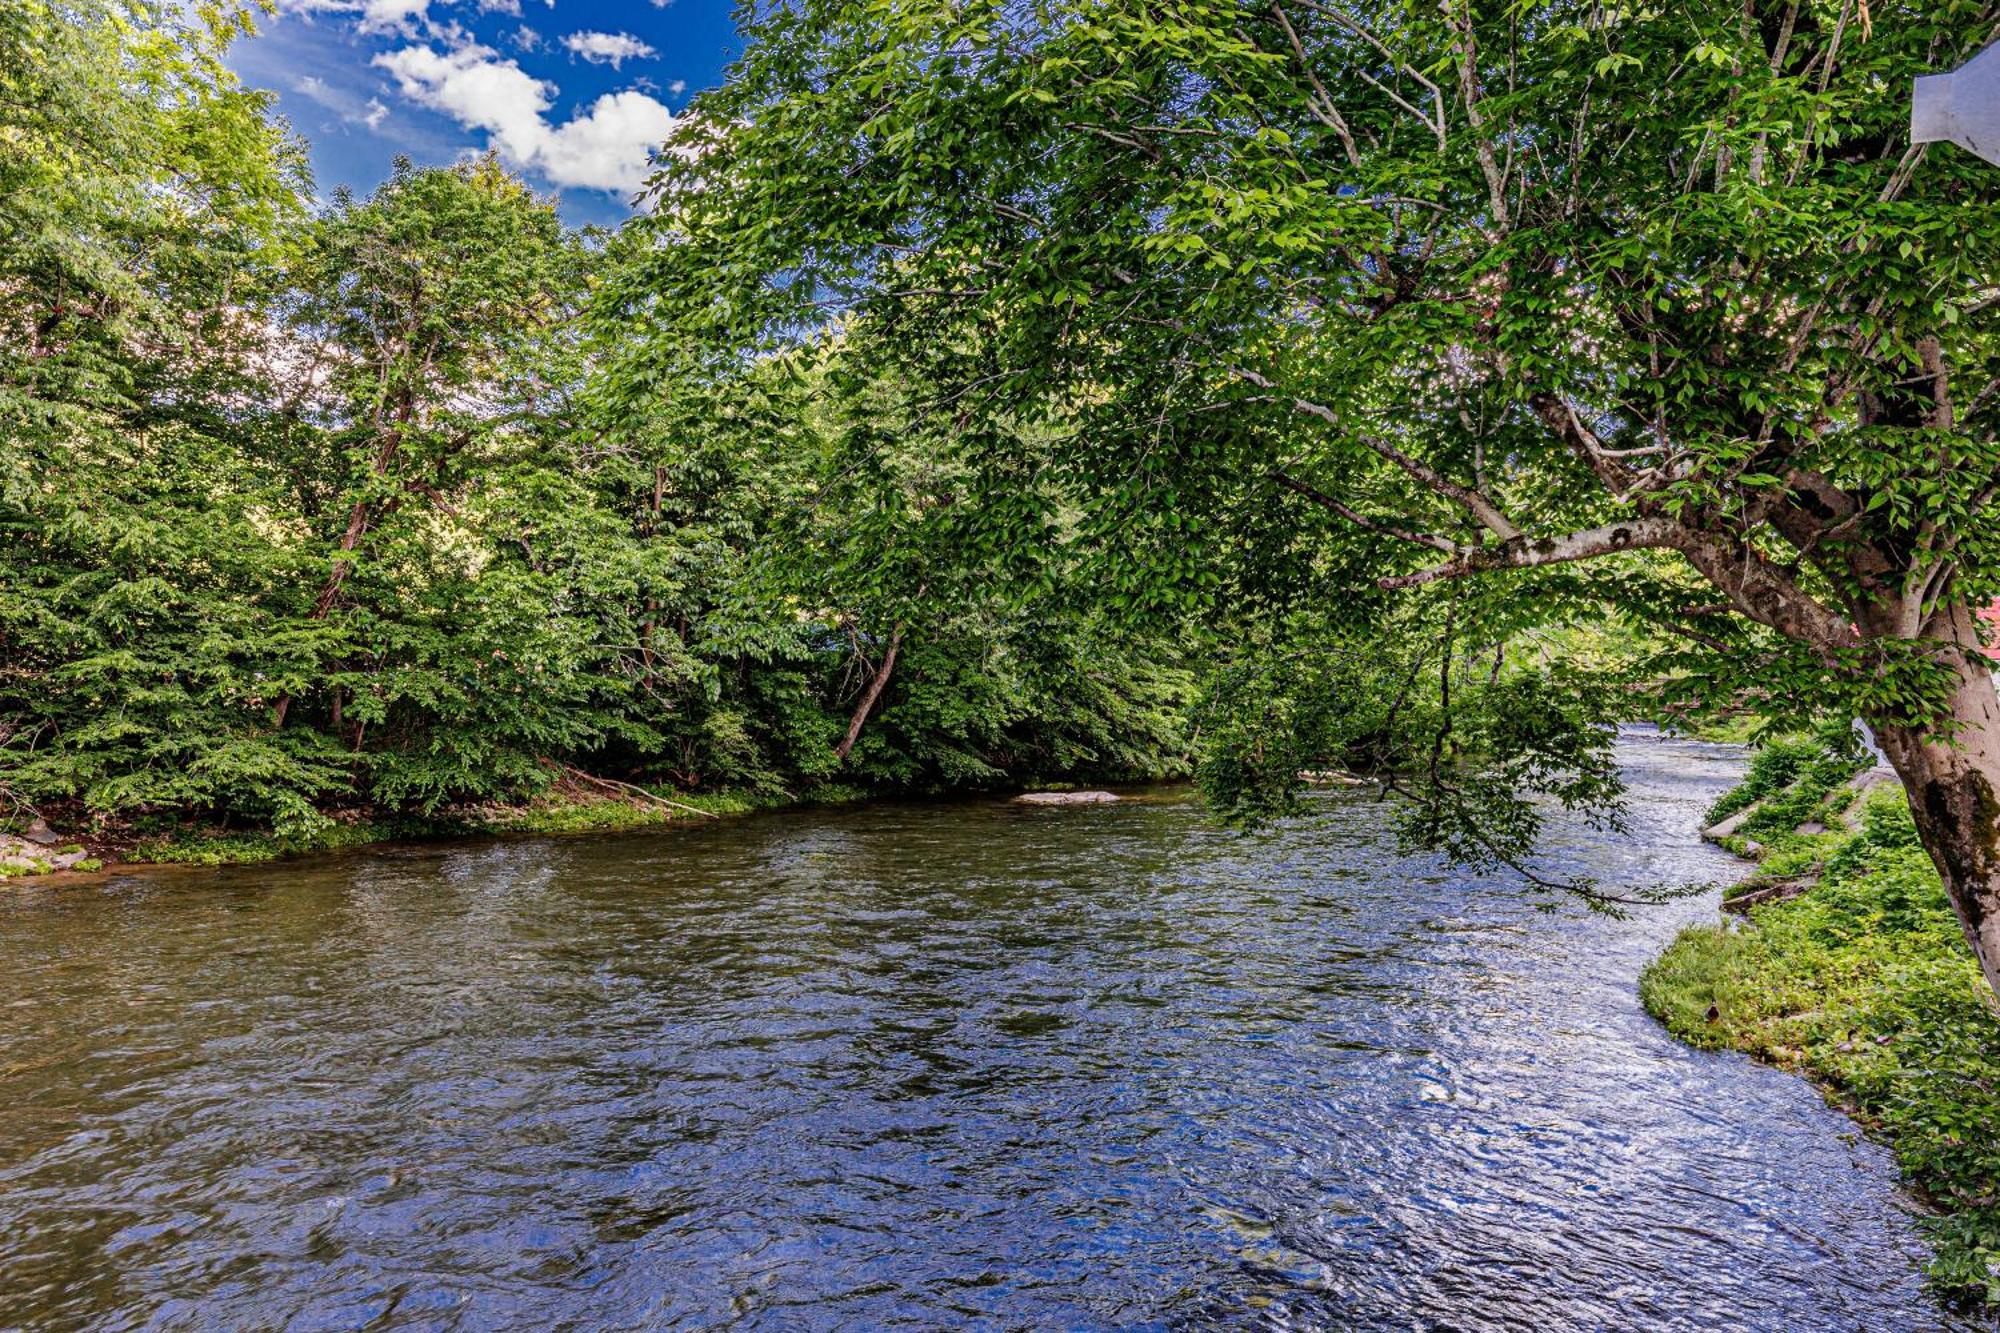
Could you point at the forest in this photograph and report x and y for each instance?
(951, 432)
(317, 508)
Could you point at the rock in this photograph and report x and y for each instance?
(1727, 828)
(1868, 779)
(1812, 828)
(1767, 891)
(20, 857)
(40, 832)
(1065, 798)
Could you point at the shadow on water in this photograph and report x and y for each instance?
(1101, 1066)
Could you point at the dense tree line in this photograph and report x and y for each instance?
(1434, 326)
(306, 507)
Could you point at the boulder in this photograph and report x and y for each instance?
(1065, 798)
(1868, 779)
(20, 857)
(1727, 828)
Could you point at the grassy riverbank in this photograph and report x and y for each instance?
(573, 808)
(1853, 972)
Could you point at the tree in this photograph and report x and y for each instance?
(144, 199)
(1646, 307)
(850, 591)
(463, 603)
(306, 512)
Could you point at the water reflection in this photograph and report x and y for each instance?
(910, 1066)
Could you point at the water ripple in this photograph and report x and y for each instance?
(911, 1067)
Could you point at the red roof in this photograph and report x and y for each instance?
(1991, 615)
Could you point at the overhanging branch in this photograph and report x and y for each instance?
(1471, 500)
(1634, 535)
(1325, 501)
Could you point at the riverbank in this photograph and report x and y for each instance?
(1842, 962)
(578, 805)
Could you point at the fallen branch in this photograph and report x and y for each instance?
(595, 781)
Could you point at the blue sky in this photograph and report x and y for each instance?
(568, 92)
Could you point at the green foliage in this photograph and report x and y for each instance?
(213, 848)
(305, 509)
(1479, 743)
(606, 814)
(143, 198)
(1864, 982)
(1793, 776)
(1643, 313)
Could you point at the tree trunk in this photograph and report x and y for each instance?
(359, 516)
(869, 697)
(1953, 784)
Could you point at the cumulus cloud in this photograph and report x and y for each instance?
(606, 146)
(393, 15)
(404, 17)
(607, 48)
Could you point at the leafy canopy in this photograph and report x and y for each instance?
(1642, 307)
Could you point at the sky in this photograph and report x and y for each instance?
(570, 93)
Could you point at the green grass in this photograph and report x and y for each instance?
(589, 816)
(1797, 778)
(554, 814)
(1864, 983)
(202, 847)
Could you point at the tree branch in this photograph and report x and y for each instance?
(1325, 501)
(1561, 417)
(1634, 535)
(1472, 501)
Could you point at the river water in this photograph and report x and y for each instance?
(974, 1064)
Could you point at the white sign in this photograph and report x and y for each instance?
(1962, 107)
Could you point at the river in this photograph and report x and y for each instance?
(952, 1065)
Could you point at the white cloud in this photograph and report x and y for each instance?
(373, 17)
(399, 18)
(677, 87)
(527, 38)
(607, 48)
(607, 146)
(348, 106)
(392, 15)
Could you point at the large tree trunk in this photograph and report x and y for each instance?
(1953, 784)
